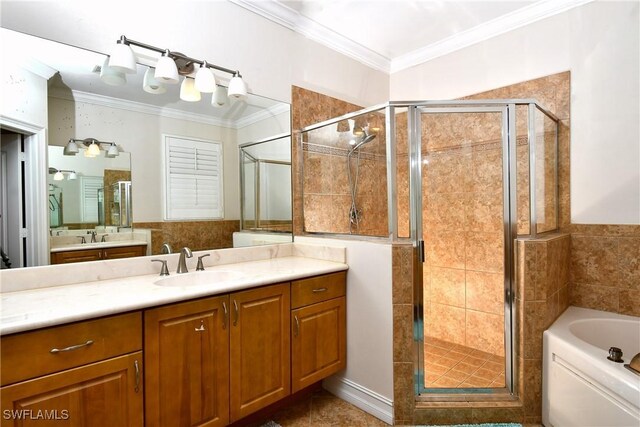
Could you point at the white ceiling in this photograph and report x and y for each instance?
(391, 35)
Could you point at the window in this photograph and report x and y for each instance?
(193, 178)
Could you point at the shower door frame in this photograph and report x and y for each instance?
(508, 141)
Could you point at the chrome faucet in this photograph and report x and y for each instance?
(182, 262)
(104, 238)
(166, 249)
(93, 236)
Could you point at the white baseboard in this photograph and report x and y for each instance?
(365, 399)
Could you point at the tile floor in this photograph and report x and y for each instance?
(323, 409)
(449, 365)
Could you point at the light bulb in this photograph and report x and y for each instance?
(93, 150)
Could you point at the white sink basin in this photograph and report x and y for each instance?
(198, 278)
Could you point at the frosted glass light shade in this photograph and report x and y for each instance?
(93, 150)
(205, 80)
(110, 75)
(123, 59)
(188, 91)
(58, 176)
(237, 88)
(72, 176)
(166, 70)
(71, 149)
(113, 151)
(219, 97)
(151, 84)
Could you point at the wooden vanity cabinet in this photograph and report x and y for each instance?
(65, 257)
(187, 363)
(260, 348)
(318, 329)
(81, 374)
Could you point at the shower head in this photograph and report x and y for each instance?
(366, 137)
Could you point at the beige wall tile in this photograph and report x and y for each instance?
(446, 323)
(448, 286)
(403, 333)
(630, 302)
(629, 263)
(485, 292)
(594, 260)
(485, 331)
(597, 297)
(446, 249)
(484, 251)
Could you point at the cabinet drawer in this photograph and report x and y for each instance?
(29, 354)
(319, 288)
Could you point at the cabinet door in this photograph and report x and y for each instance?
(318, 343)
(65, 257)
(124, 252)
(260, 348)
(107, 393)
(187, 364)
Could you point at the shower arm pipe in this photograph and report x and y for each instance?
(175, 55)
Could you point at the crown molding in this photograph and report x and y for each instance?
(503, 24)
(264, 114)
(289, 18)
(138, 107)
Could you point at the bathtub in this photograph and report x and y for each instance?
(580, 387)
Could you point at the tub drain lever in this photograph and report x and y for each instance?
(615, 355)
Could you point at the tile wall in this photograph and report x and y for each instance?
(322, 192)
(197, 235)
(111, 177)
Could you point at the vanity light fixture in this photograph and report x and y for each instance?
(171, 65)
(110, 75)
(58, 174)
(93, 147)
(219, 97)
(188, 91)
(122, 58)
(151, 84)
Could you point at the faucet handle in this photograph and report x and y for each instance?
(103, 238)
(200, 266)
(164, 271)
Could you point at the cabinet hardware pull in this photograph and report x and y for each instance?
(235, 309)
(318, 290)
(297, 329)
(137, 368)
(225, 319)
(71, 348)
(201, 328)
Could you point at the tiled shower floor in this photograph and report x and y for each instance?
(449, 365)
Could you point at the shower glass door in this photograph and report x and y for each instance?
(462, 213)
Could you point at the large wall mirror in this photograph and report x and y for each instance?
(111, 195)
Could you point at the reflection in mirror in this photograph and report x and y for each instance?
(88, 192)
(265, 182)
(79, 101)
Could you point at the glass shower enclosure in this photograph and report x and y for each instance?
(460, 181)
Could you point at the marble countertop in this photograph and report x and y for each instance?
(37, 308)
(98, 245)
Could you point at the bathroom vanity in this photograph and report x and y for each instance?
(182, 350)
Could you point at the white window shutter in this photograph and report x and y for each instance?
(89, 186)
(193, 178)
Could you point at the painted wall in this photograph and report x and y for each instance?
(270, 57)
(600, 44)
(367, 381)
(275, 125)
(141, 135)
(24, 96)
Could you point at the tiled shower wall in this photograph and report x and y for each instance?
(321, 185)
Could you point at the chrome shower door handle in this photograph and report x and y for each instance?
(236, 313)
(225, 317)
